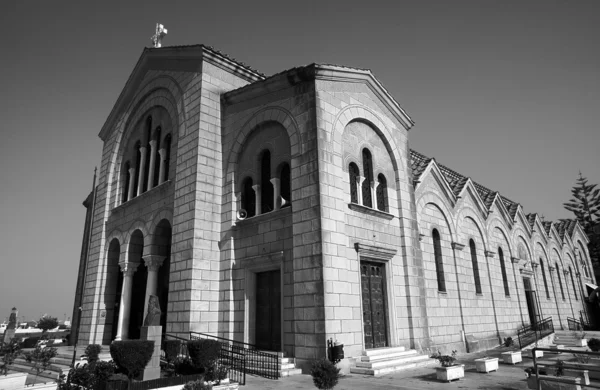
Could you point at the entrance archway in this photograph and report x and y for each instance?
(138, 288)
(161, 244)
(112, 292)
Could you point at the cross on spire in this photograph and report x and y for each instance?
(161, 31)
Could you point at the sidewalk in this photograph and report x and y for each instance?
(507, 377)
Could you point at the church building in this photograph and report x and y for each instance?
(286, 210)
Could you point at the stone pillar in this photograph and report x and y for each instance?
(258, 198)
(373, 195)
(163, 162)
(276, 194)
(152, 369)
(140, 188)
(131, 183)
(515, 263)
(236, 206)
(152, 165)
(125, 306)
(153, 262)
(359, 182)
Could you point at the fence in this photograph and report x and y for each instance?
(570, 365)
(531, 333)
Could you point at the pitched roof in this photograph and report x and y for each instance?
(531, 219)
(566, 226)
(418, 163)
(547, 226)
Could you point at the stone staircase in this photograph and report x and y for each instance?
(286, 365)
(60, 364)
(382, 361)
(570, 338)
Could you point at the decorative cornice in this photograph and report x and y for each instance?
(515, 260)
(376, 252)
(154, 262)
(566, 271)
(551, 268)
(129, 268)
(534, 265)
(370, 211)
(489, 254)
(458, 246)
(525, 272)
(421, 237)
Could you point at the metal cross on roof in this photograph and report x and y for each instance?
(161, 31)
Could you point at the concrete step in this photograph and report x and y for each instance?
(393, 368)
(376, 358)
(290, 372)
(58, 368)
(50, 375)
(392, 362)
(382, 351)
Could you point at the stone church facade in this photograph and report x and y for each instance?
(283, 211)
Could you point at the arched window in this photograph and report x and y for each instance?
(148, 153)
(382, 201)
(544, 278)
(562, 291)
(155, 179)
(439, 265)
(503, 269)
(583, 265)
(475, 266)
(354, 174)
(138, 160)
(285, 181)
(127, 177)
(168, 140)
(266, 187)
(368, 172)
(573, 283)
(248, 197)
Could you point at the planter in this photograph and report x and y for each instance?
(567, 383)
(451, 373)
(512, 357)
(13, 381)
(556, 348)
(486, 364)
(581, 343)
(537, 353)
(583, 374)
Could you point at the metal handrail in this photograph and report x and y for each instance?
(535, 331)
(574, 324)
(548, 378)
(205, 335)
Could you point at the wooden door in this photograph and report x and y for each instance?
(374, 304)
(268, 310)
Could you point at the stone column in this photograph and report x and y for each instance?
(131, 183)
(163, 161)
(152, 165)
(258, 199)
(456, 249)
(153, 262)
(373, 195)
(125, 306)
(142, 169)
(516, 260)
(359, 182)
(276, 194)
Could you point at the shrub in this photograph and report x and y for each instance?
(509, 342)
(325, 374)
(92, 352)
(9, 351)
(197, 385)
(87, 376)
(132, 356)
(204, 352)
(445, 360)
(594, 344)
(216, 373)
(184, 366)
(171, 348)
(41, 357)
(46, 323)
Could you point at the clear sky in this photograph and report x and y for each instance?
(505, 92)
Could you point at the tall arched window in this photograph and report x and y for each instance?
(155, 179)
(475, 266)
(248, 197)
(354, 174)
(126, 182)
(382, 201)
(148, 153)
(368, 172)
(138, 160)
(285, 181)
(168, 141)
(266, 187)
(503, 269)
(439, 265)
(562, 291)
(544, 278)
(583, 265)
(573, 283)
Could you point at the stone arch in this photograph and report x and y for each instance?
(113, 286)
(496, 223)
(116, 234)
(162, 234)
(135, 252)
(467, 212)
(434, 199)
(164, 213)
(142, 227)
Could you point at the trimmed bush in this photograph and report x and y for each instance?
(47, 322)
(92, 351)
(204, 352)
(197, 385)
(171, 348)
(91, 377)
(594, 344)
(184, 366)
(132, 356)
(325, 374)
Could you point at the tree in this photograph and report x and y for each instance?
(585, 204)
(41, 358)
(47, 322)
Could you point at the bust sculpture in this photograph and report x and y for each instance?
(153, 315)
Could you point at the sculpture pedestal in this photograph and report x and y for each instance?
(152, 370)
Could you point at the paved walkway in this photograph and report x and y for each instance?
(507, 377)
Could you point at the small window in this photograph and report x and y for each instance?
(354, 175)
(248, 197)
(155, 179)
(286, 185)
(382, 201)
(439, 264)
(168, 157)
(368, 172)
(503, 269)
(138, 160)
(266, 187)
(573, 283)
(475, 266)
(562, 291)
(544, 278)
(148, 153)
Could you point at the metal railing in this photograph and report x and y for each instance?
(238, 356)
(532, 333)
(566, 369)
(574, 324)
